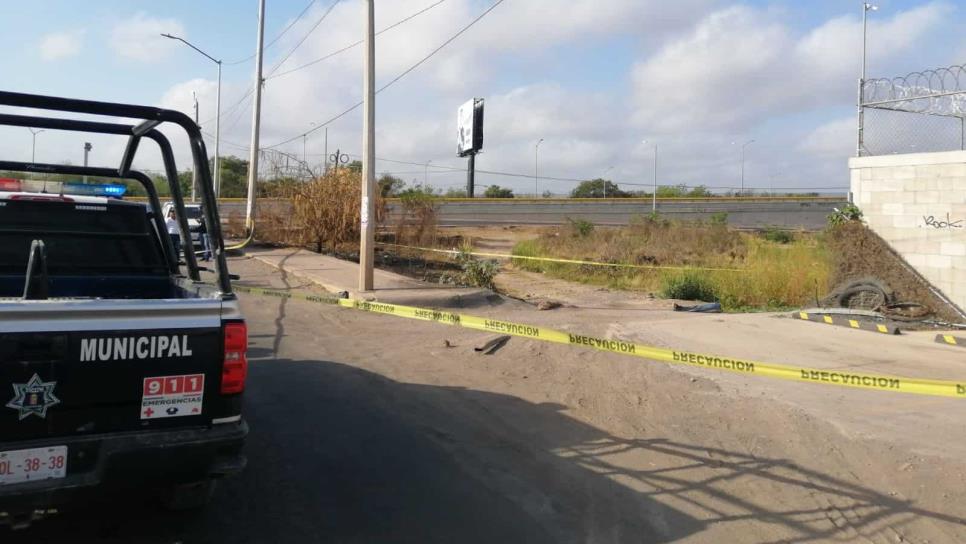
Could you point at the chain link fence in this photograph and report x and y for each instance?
(919, 112)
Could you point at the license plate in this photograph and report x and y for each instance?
(18, 466)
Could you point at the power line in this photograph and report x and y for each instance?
(394, 80)
(305, 37)
(280, 34)
(350, 46)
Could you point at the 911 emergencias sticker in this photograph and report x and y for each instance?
(172, 396)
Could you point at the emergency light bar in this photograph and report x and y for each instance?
(111, 190)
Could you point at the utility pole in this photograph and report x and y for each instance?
(426, 173)
(325, 155)
(536, 167)
(33, 148)
(87, 150)
(256, 121)
(194, 171)
(367, 215)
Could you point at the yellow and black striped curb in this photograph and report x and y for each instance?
(951, 340)
(919, 386)
(845, 321)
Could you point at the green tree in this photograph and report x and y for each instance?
(495, 191)
(234, 176)
(390, 185)
(455, 192)
(597, 188)
(355, 166)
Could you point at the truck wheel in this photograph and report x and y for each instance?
(191, 496)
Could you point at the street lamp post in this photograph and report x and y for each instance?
(217, 177)
(87, 150)
(654, 194)
(743, 146)
(866, 8)
(33, 148)
(604, 179)
(536, 167)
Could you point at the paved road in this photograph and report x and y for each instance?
(331, 459)
(809, 214)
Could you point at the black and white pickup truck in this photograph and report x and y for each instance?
(122, 365)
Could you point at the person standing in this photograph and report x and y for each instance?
(205, 240)
(174, 232)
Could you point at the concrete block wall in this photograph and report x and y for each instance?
(917, 203)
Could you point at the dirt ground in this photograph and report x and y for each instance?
(597, 447)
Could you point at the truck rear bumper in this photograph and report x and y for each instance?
(126, 461)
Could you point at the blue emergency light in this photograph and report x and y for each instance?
(114, 190)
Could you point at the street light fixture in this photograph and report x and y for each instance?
(217, 177)
(33, 148)
(536, 167)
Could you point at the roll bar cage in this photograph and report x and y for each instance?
(150, 118)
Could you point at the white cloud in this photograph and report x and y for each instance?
(139, 37)
(739, 66)
(833, 139)
(61, 45)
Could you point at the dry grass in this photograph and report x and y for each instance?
(772, 275)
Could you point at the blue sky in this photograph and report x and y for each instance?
(593, 79)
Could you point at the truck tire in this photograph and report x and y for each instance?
(864, 294)
(193, 496)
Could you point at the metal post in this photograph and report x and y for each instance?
(860, 118)
(194, 171)
(471, 175)
(743, 146)
(256, 121)
(325, 155)
(654, 196)
(217, 176)
(536, 167)
(87, 149)
(367, 215)
(426, 172)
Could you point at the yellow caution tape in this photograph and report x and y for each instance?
(842, 378)
(453, 252)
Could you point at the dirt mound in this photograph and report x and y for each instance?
(860, 253)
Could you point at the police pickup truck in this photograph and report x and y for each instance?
(119, 373)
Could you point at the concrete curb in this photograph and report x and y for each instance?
(438, 299)
(862, 325)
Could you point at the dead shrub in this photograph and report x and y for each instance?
(417, 225)
(323, 213)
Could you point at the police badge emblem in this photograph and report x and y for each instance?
(33, 397)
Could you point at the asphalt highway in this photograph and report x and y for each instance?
(804, 213)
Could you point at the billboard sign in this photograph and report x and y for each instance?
(469, 124)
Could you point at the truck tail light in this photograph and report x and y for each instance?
(10, 184)
(234, 369)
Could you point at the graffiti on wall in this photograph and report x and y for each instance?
(941, 223)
